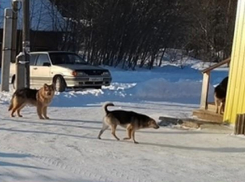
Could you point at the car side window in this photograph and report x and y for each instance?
(33, 58)
(42, 60)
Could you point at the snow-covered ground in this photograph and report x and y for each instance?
(65, 148)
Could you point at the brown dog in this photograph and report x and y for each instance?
(40, 98)
(220, 95)
(130, 120)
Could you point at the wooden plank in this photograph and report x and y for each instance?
(226, 61)
(205, 87)
(237, 124)
(242, 124)
(211, 107)
(208, 115)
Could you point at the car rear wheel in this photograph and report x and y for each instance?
(60, 84)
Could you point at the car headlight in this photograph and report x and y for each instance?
(106, 73)
(78, 73)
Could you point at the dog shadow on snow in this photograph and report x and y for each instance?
(208, 149)
(45, 133)
(75, 120)
(8, 164)
(48, 123)
(15, 156)
(141, 143)
(64, 123)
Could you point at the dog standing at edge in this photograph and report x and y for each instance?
(40, 98)
(130, 120)
(220, 95)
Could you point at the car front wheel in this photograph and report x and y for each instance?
(60, 84)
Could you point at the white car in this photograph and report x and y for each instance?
(65, 69)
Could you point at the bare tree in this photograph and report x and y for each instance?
(122, 32)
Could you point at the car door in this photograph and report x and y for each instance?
(33, 58)
(40, 71)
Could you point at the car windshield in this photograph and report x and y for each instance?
(66, 58)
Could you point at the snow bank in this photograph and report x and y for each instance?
(5, 97)
(157, 89)
(167, 83)
(162, 90)
(204, 65)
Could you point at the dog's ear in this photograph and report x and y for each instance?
(45, 85)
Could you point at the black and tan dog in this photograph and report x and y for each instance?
(220, 95)
(40, 98)
(130, 120)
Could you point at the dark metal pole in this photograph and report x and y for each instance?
(19, 81)
(6, 49)
(26, 39)
(14, 30)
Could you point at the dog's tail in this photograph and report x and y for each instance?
(105, 107)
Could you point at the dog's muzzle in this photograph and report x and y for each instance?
(156, 127)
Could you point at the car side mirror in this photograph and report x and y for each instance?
(46, 64)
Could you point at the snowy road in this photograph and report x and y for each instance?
(65, 148)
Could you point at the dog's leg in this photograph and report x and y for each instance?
(113, 131)
(104, 127)
(45, 112)
(39, 111)
(133, 136)
(16, 106)
(129, 130)
(12, 112)
(216, 104)
(221, 108)
(19, 109)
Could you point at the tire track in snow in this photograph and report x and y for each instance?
(58, 164)
(111, 174)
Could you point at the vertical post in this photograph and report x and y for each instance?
(19, 70)
(6, 49)
(14, 30)
(205, 87)
(240, 124)
(19, 81)
(26, 40)
(242, 130)
(237, 124)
